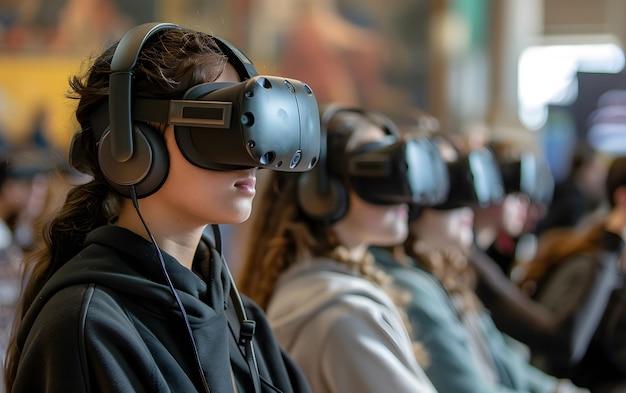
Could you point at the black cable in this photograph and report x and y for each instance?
(133, 195)
(246, 326)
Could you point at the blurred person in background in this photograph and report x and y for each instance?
(466, 352)
(575, 263)
(528, 191)
(580, 193)
(23, 191)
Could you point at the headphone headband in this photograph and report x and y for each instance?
(243, 65)
(120, 82)
(120, 85)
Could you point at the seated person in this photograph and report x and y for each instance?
(467, 353)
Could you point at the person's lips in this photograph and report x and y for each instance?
(247, 185)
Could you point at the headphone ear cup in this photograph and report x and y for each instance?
(329, 206)
(148, 167)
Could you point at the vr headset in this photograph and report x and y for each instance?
(393, 171)
(475, 180)
(264, 121)
(531, 176)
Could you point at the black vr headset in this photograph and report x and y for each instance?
(475, 180)
(387, 172)
(264, 121)
(531, 176)
(395, 171)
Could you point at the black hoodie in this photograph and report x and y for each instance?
(107, 321)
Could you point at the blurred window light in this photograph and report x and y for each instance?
(547, 75)
(607, 124)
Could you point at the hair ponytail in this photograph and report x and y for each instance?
(86, 207)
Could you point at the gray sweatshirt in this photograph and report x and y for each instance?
(344, 332)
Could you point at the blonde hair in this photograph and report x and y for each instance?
(451, 267)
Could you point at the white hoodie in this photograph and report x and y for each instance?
(344, 332)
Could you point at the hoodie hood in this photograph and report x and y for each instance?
(129, 265)
(309, 288)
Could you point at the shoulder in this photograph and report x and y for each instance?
(415, 279)
(322, 283)
(278, 367)
(572, 269)
(56, 346)
(330, 299)
(426, 292)
(69, 312)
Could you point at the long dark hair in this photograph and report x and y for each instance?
(170, 62)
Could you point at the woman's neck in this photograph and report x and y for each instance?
(178, 241)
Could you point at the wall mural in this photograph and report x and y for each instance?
(335, 45)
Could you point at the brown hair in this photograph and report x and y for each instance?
(556, 246)
(169, 63)
(450, 266)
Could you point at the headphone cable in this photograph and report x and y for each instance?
(133, 195)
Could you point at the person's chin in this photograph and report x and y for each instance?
(394, 237)
(238, 214)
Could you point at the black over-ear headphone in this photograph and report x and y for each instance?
(322, 195)
(129, 152)
(264, 121)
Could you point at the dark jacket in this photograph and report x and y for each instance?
(569, 285)
(107, 322)
(575, 318)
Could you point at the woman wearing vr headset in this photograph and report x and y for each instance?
(309, 268)
(127, 294)
(466, 352)
(528, 189)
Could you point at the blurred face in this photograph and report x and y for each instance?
(201, 196)
(515, 214)
(367, 224)
(443, 228)
(21, 194)
(536, 211)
